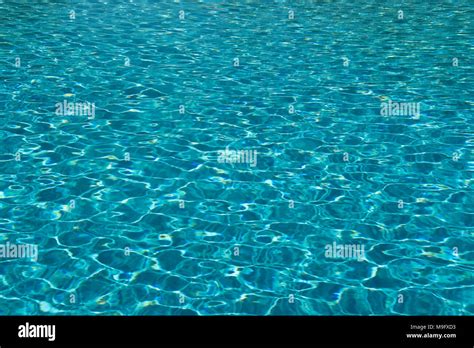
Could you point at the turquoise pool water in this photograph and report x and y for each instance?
(352, 126)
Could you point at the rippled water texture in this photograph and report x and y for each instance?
(134, 213)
